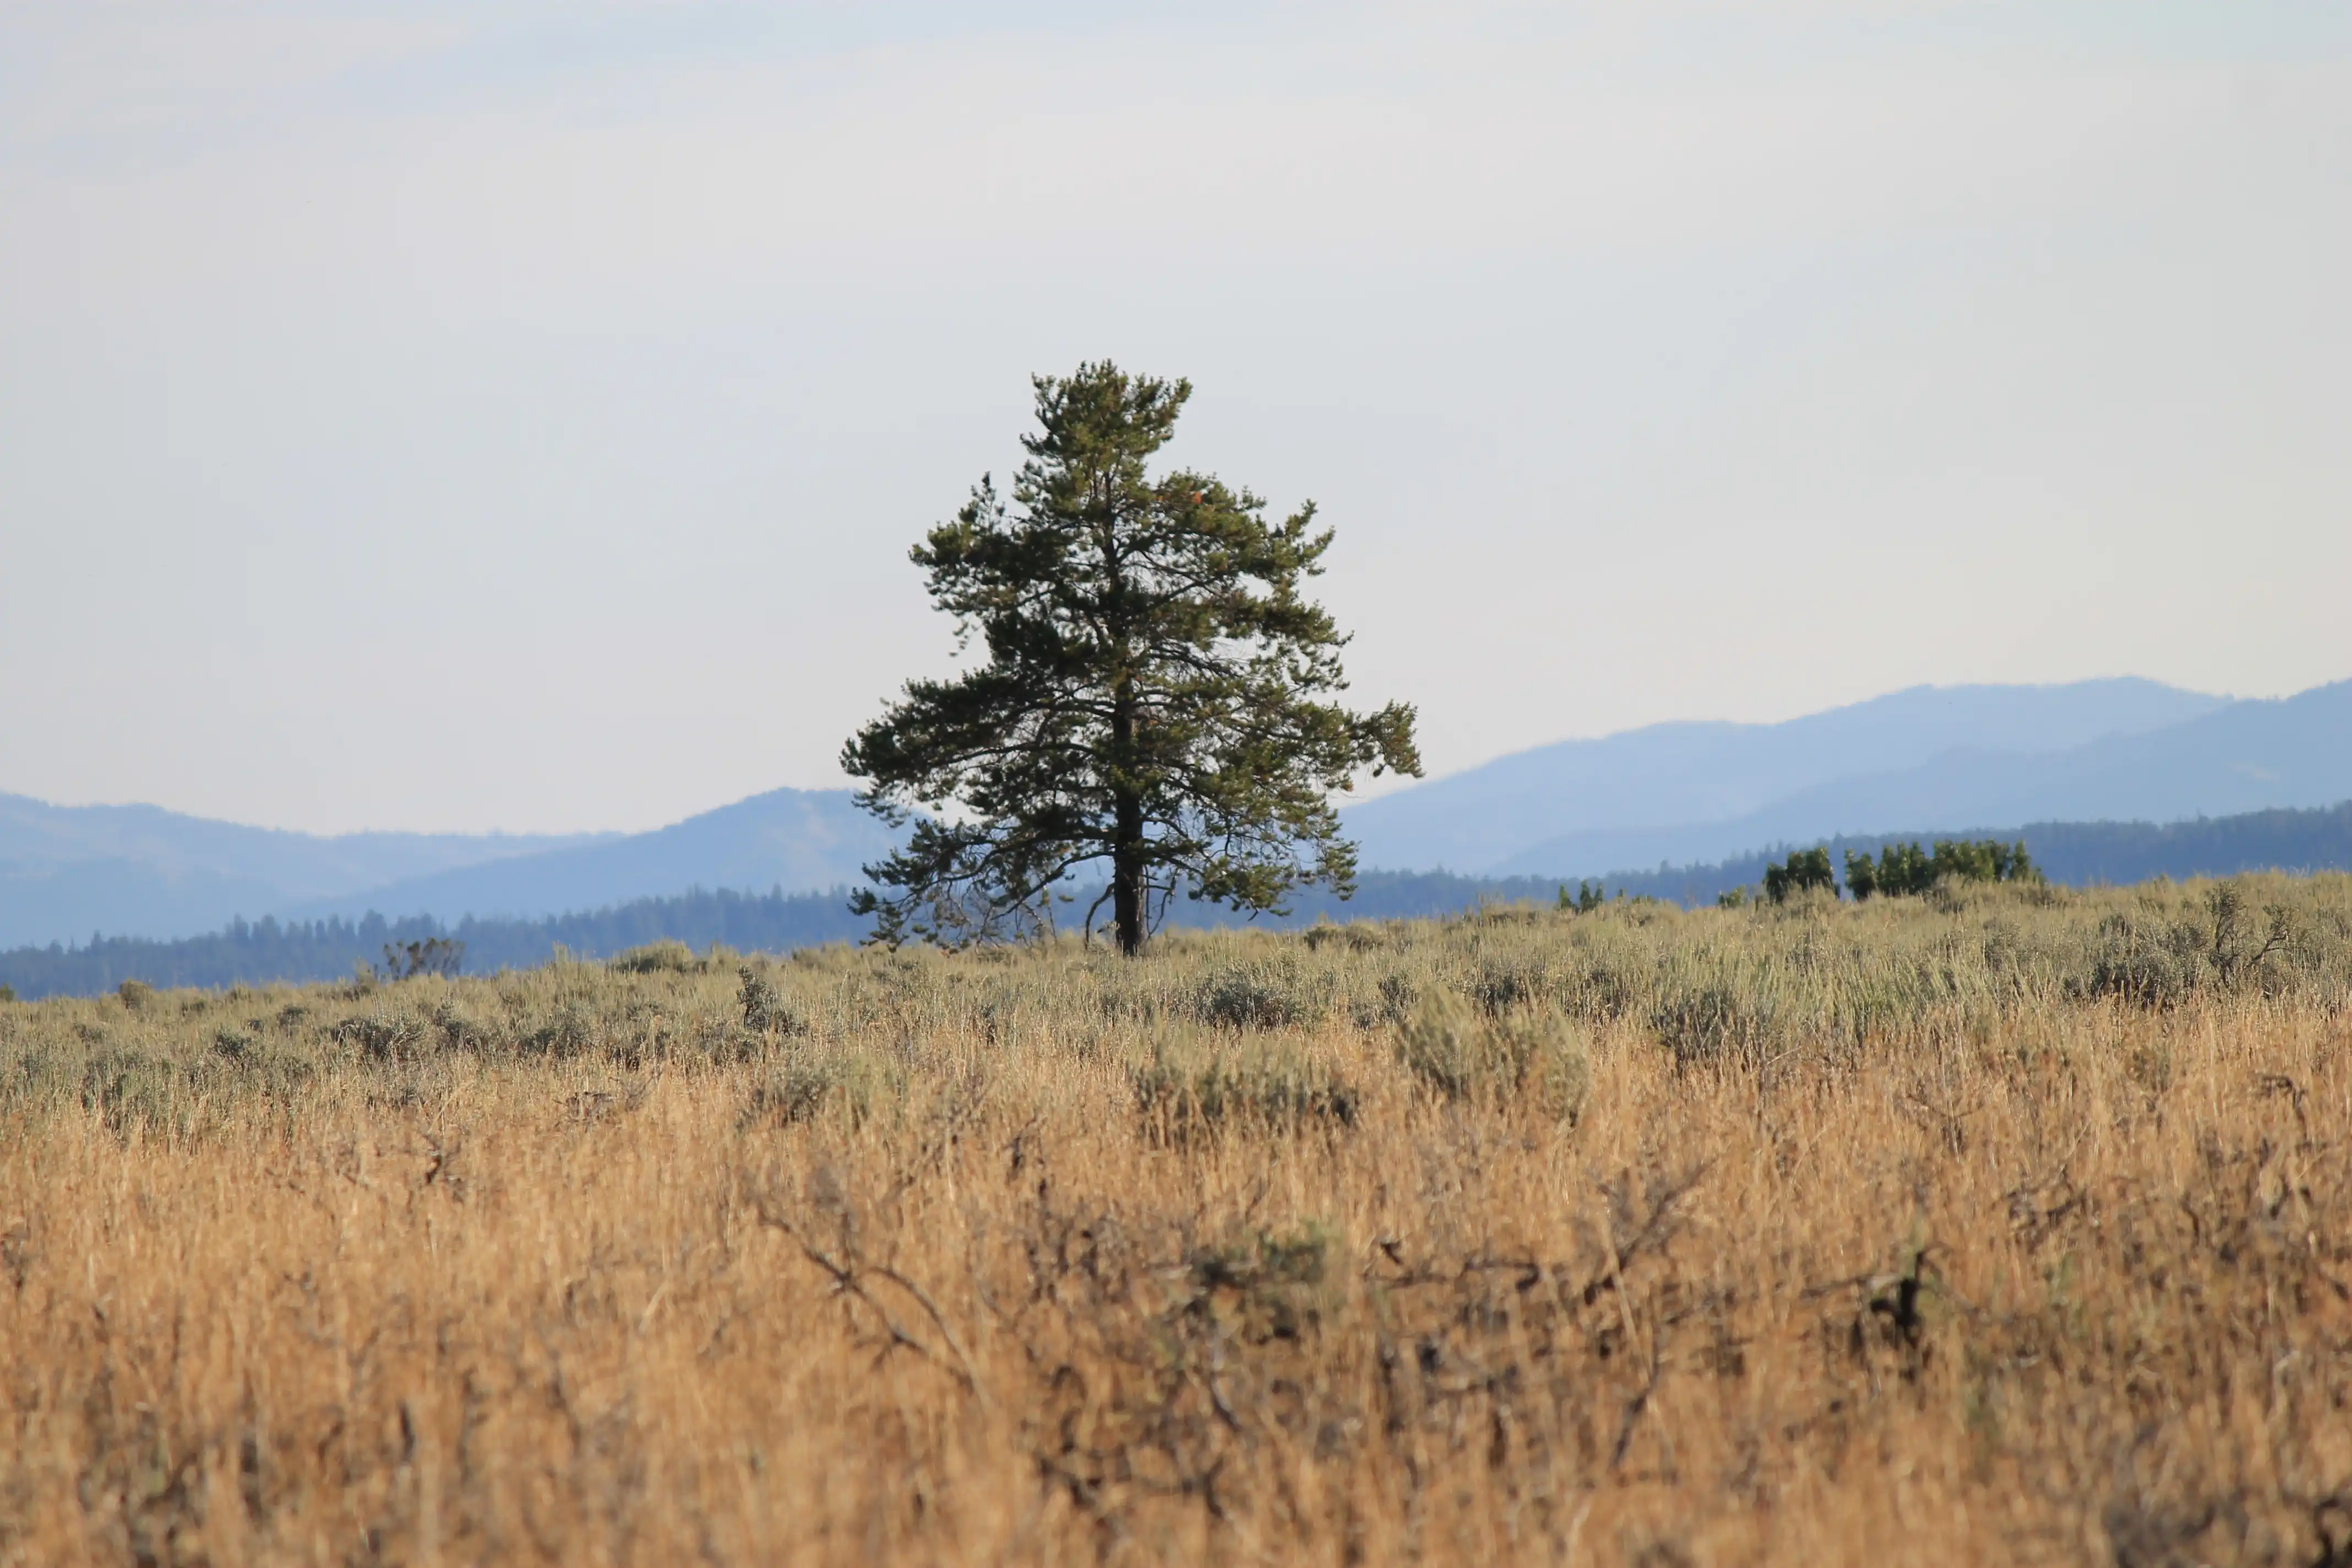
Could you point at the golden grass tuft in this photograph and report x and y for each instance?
(1993, 1226)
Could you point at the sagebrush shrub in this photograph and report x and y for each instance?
(1465, 1053)
(1181, 1093)
(1261, 995)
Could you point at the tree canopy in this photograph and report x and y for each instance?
(1157, 705)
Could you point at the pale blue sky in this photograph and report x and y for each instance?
(516, 415)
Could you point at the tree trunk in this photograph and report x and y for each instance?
(1127, 873)
(1126, 800)
(1126, 827)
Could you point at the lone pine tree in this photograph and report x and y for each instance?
(1156, 702)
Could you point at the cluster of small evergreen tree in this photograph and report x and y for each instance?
(1802, 872)
(1904, 868)
(2070, 854)
(1587, 896)
(1901, 870)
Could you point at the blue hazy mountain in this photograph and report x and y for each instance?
(68, 900)
(1921, 761)
(795, 840)
(2243, 756)
(1654, 783)
(66, 871)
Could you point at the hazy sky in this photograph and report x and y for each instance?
(503, 414)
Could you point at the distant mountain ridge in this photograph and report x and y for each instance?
(304, 865)
(1926, 760)
(2242, 756)
(793, 839)
(66, 870)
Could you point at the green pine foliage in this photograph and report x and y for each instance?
(1905, 870)
(1803, 871)
(1587, 896)
(1155, 707)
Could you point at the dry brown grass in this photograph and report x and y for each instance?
(1980, 1228)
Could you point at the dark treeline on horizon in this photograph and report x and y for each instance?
(261, 952)
(2072, 854)
(258, 952)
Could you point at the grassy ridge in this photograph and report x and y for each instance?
(2000, 1226)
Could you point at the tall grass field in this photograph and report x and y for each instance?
(2005, 1225)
